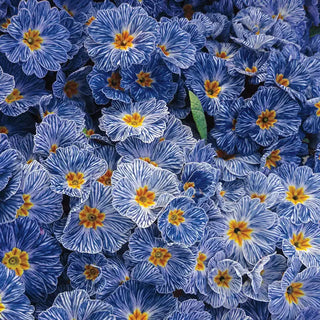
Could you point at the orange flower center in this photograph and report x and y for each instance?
(212, 88)
(23, 211)
(222, 279)
(279, 16)
(90, 272)
(160, 257)
(32, 39)
(281, 80)
(144, 197)
(200, 261)
(294, 292)
(134, 120)
(273, 158)
(5, 25)
(144, 79)
(53, 148)
(106, 178)
(222, 55)
(16, 260)
(114, 81)
(14, 96)
(296, 195)
(123, 40)
(262, 197)
(239, 231)
(138, 315)
(4, 130)
(301, 243)
(71, 88)
(75, 180)
(90, 20)
(251, 70)
(188, 185)
(223, 155)
(147, 159)
(175, 217)
(317, 105)
(266, 119)
(91, 217)
(164, 49)
(234, 122)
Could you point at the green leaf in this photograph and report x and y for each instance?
(198, 115)
(314, 31)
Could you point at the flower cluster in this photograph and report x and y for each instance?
(159, 160)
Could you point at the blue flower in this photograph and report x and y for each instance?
(33, 255)
(256, 309)
(268, 115)
(174, 46)
(222, 50)
(250, 63)
(7, 85)
(190, 309)
(171, 263)
(140, 191)
(107, 85)
(39, 44)
(39, 202)
(225, 133)
(301, 240)
(135, 300)
(24, 144)
(77, 304)
(76, 10)
(145, 120)
(288, 74)
(301, 203)
(123, 36)
(182, 222)
(162, 154)
(201, 178)
(266, 271)
(225, 282)
(208, 78)
(312, 123)
(85, 271)
(153, 7)
(152, 80)
(177, 106)
(201, 152)
(13, 304)
(295, 292)
(237, 313)
(72, 171)
(94, 225)
(268, 189)
(249, 230)
(74, 86)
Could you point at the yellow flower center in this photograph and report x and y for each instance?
(251, 70)
(212, 88)
(234, 122)
(14, 96)
(16, 260)
(164, 49)
(71, 88)
(279, 16)
(296, 195)
(32, 39)
(262, 197)
(266, 119)
(2, 307)
(123, 281)
(138, 315)
(123, 40)
(90, 272)
(317, 105)
(147, 159)
(175, 217)
(300, 242)
(188, 11)
(106, 178)
(200, 261)
(144, 79)
(144, 197)
(294, 292)
(90, 20)
(23, 211)
(159, 257)
(5, 25)
(75, 179)
(271, 160)
(134, 120)
(46, 113)
(281, 80)
(53, 148)
(225, 156)
(222, 193)
(239, 231)
(222, 55)
(188, 185)
(91, 217)
(114, 81)
(222, 279)
(4, 130)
